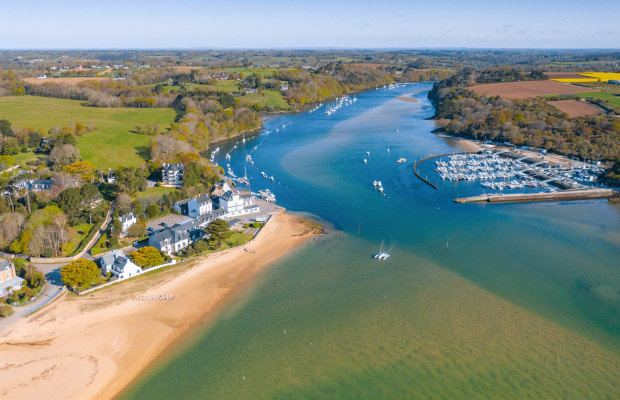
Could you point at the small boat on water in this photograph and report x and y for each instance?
(401, 160)
(381, 255)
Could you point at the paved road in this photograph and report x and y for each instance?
(52, 274)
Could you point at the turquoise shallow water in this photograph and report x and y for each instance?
(557, 260)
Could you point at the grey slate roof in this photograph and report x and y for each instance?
(109, 258)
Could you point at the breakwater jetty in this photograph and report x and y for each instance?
(574, 194)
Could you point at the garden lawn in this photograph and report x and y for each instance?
(111, 145)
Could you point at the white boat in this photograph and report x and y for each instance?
(367, 153)
(365, 161)
(374, 183)
(381, 255)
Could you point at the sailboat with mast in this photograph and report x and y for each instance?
(381, 255)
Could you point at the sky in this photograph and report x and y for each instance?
(71, 24)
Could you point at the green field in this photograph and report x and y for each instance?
(156, 191)
(610, 97)
(271, 98)
(247, 71)
(111, 145)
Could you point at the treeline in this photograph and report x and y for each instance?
(102, 94)
(531, 122)
(334, 79)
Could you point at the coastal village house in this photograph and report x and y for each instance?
(127, 220)
(119, 265)
(194, 207)
(35, 185)
(41, 185)
(9, 281)
(224, 203)
(172, 175)
(235, 204)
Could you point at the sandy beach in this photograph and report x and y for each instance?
(93, 346)
(465, 145)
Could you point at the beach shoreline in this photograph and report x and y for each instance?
(466, 145)
(95, 345)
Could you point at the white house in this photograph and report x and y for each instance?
(127, 220)
(41, 185)
(170, 240)
(9, 281)
(172, 175)
(231, 202)
(235, 204)
(194, 207)
(107, 260)
(123, 268)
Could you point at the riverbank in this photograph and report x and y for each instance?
(93, 346)
(466, 145)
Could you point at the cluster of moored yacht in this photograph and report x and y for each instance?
(493, 171)
(339, 103)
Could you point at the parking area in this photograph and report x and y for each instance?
(169, 220)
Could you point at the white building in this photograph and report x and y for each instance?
(9, 281)
(235, 204)
(194, 207)
(172, 175)
(124, 268)
(107, 260)
(127, 220)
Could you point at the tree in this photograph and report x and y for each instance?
(123, 203)
(81, 272)
(10, 228)
(84, 169)
(116, 228)
(34, 139)
(137, 230)
(70, 201)
(64, 154)
(152, 211)
(90, 194)
(218, 230)
(10, 146)
(147, 256)
(5, 128)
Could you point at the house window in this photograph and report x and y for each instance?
(8, 276)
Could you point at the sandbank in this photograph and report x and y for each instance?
(93, 346)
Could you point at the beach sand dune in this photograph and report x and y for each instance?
(93, 346)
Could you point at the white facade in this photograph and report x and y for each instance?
(235, 204)
(195, 207)
(127, 220)
(9, 281)
(123, 268)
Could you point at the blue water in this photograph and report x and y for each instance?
(558, 260)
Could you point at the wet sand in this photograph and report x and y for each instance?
(93, 346)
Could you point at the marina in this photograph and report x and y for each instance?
(510, 170)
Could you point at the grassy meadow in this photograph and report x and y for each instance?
(111, 145)
(610, 97)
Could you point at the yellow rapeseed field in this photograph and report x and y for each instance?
(592, 77)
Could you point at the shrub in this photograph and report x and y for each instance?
(5, 310)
